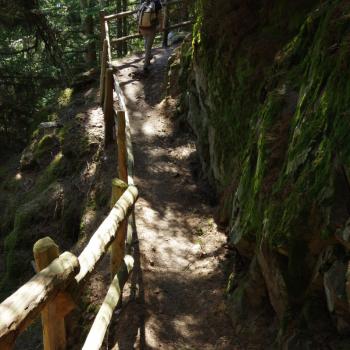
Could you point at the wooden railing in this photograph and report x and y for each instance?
(105, 19)
(52, 291)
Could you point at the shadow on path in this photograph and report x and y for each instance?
(175, 300)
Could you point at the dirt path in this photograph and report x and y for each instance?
(176, 299)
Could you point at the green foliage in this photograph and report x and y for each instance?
(44, 45)
(287, 194)
(318, 130)
(53, 171)
(65, 97)
(45, 147)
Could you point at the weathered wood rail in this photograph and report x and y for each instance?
(132, 12)
(48, 292)
(106, 19)
(52, 291)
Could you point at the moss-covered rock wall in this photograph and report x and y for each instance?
(268, 95)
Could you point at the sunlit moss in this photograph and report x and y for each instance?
(279, 128)
(65, 97)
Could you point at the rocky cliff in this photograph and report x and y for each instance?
(266, 89)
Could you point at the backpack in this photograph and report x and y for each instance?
(147, 15)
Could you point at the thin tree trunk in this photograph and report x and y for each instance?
(125, 27)
(119, 29)
(87, 21)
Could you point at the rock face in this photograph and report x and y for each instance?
(266, 90)
(40, 152)
(275, 283)
(335, 288)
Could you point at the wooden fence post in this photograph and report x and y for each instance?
(109, 50)
(103, 71)
(122, 147)
(54, 333)
(118, 246)
(108, 107)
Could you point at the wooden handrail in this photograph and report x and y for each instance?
(120, 122)
(45, 251)
(98, 330)
(106, 31)
(132, 12)
(124, 38)
(117, 250)
(179, 25)
(108, 107)
(138, 35)
(120, 15)
(104, 60)
(126, 121)
(19, 310)
(105, 234)
(47, 289)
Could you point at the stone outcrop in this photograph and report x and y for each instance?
(266, 90)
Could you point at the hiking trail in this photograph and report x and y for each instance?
(176, 297)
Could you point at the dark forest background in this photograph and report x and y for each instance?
(46, 46)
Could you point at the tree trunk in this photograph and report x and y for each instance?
(87, 21)
(119, 28)
(125, 27)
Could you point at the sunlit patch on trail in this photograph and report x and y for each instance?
(148, 129)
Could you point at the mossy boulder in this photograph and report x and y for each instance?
(76, 144)
(247, 294)
(40, 152)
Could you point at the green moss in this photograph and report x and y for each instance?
(51, 174)
(45, 147)
(46, 142)
(275, 121)
(102, 196)
(71, 217)
(65, 97)
(304, 176)
(293, 206)
(74, 141)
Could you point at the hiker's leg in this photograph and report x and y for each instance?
(148, 48)
(145, 41)
(152, 37)
(149, 39)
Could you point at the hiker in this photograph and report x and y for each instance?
(150, 19)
